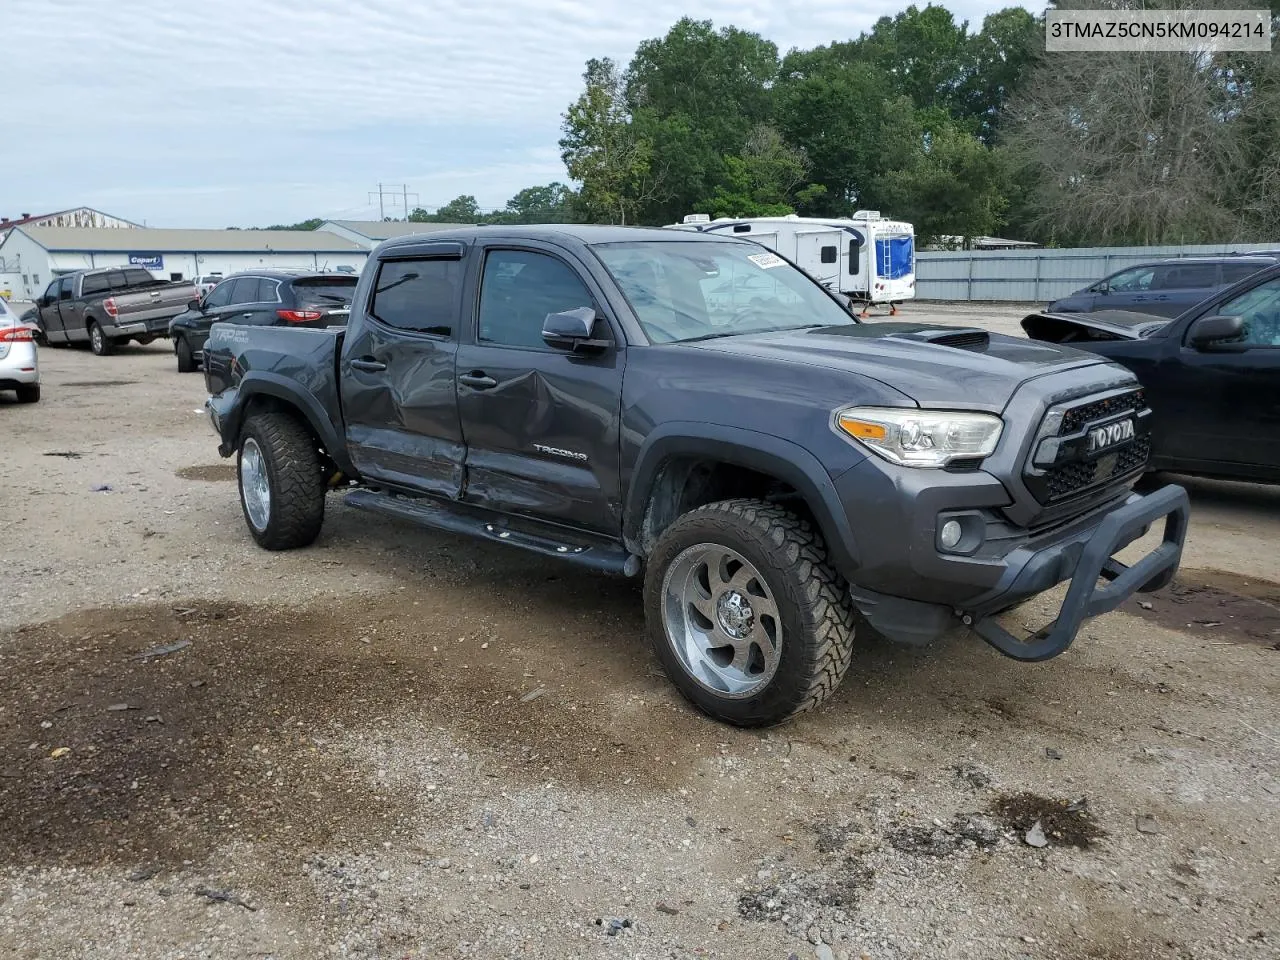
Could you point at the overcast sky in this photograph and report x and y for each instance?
(251, 112)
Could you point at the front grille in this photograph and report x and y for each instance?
(1078, 476)
(1071, 478)
(1075, 418)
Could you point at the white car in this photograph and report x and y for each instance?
(19, 367)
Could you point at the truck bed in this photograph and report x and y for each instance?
(289, 357)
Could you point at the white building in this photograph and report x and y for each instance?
(31, 256)
(370, 233)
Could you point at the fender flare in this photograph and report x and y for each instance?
(739, 446)
(265, 383)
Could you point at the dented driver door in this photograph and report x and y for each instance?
(540, 425)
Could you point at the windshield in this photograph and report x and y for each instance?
(695, 290)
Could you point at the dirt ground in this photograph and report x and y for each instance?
(405, 744)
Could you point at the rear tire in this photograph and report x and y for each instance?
(28, 393)
(281, 482)
(186, 359)
(99, 342)
(747, 616)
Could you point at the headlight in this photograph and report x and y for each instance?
(922, 438)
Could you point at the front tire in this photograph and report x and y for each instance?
(99, 342)
(186, 358)
(747, 616)
(28, 393)
(281, 482)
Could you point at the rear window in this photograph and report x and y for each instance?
(93, 283)
(137, 275)
(325, 291)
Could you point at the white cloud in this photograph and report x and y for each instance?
(252, 111)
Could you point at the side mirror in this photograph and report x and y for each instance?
(44, 300)
(572, 330)
(1217, 332)
(194, 305)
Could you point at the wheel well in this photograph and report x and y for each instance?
(685, 483)
(266, 403)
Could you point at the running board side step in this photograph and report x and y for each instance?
(601, 556)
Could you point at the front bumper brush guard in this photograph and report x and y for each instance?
(1085, 597)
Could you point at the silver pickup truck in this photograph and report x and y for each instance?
(110, 306)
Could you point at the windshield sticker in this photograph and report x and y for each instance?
(766, 260)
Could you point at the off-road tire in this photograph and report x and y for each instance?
(812, 599)
(99, 342)
(28, 392)
(186, 359)
(295, 479)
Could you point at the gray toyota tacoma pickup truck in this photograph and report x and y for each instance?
(776, 470)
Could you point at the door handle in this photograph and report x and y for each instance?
(478, 379)
(369, 364)
(246, 315)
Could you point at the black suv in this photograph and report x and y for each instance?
(262, 298)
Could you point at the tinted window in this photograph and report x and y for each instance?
(66, 286)
(93, 283)
(1235, 272)
(828, 254)
(220, 295)
(519, 289)
(116, 280)
(684, 290)
(267, 290)
(1260, 309)
(327, 292)
(52, 290)
(137, 275)
(1188, 275)
(243, 290)
(418, 295)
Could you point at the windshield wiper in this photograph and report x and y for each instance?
(744, 333)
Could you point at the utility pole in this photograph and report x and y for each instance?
(389, 190)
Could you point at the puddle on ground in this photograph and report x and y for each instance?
(208, 472)
(1217, 603)
(1065, 823)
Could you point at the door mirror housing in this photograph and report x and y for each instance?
(573, 330)
(1217, 333)
(195, 305)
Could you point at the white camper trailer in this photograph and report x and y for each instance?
(866, 257)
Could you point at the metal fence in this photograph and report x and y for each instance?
(1040, 275)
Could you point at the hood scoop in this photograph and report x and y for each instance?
(962, 338)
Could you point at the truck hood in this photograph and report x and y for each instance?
(1054, 327)
(958, 368)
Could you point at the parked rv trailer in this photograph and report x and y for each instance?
(866, 257)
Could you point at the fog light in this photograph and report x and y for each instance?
(950, 534)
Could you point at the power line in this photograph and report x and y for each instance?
(392, 190)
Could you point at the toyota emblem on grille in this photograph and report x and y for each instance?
(1102, 437)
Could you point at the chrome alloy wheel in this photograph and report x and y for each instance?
(254, 485)
(721, 620)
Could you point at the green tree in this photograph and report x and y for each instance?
(695, 95)
(760, 183)
(1000, 56)
(924, 53)
(954, 187)
(463, 209)
(604, 151)
(546, 204)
